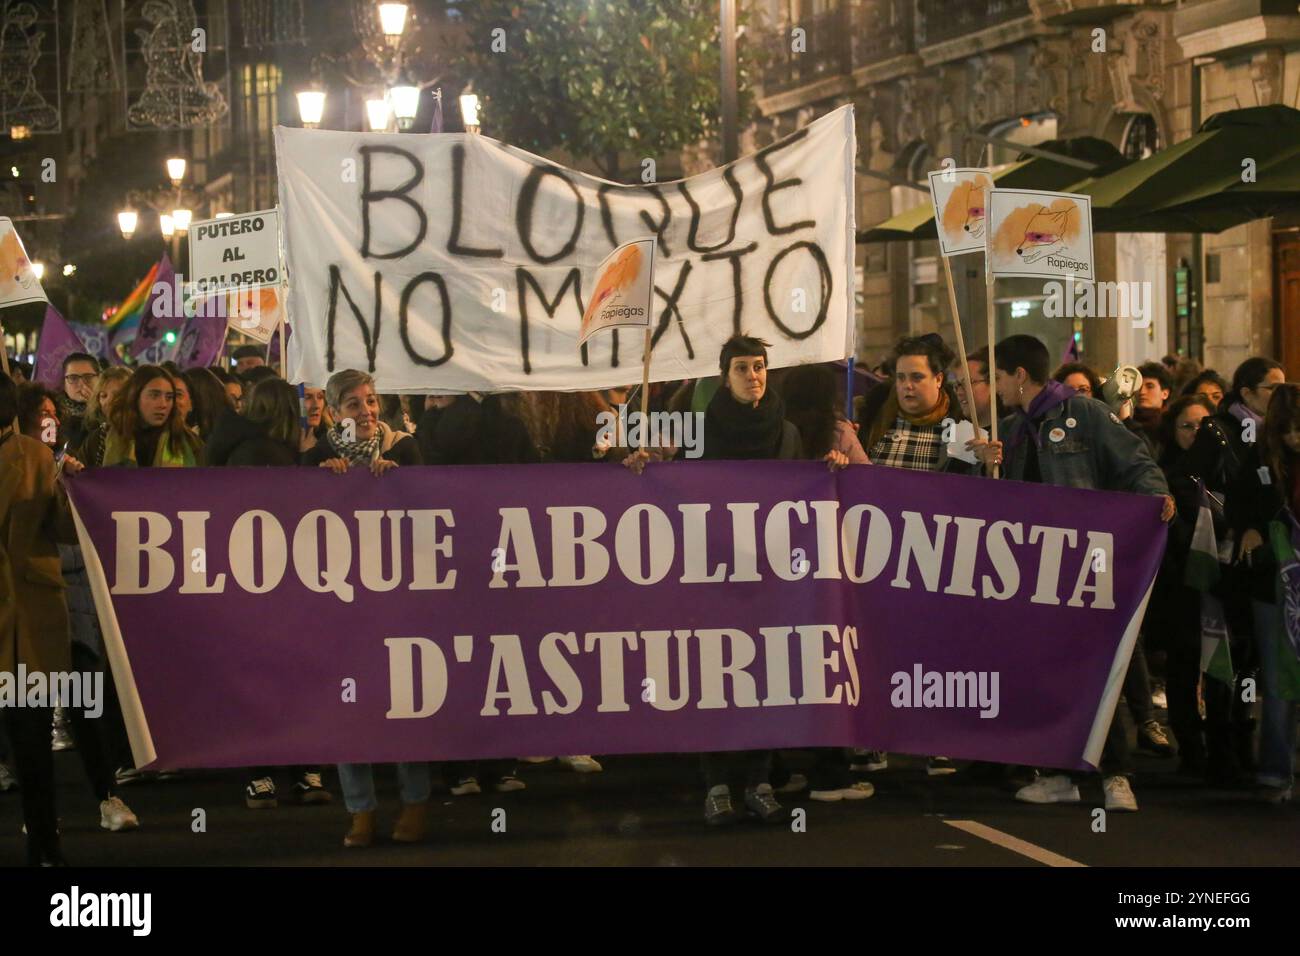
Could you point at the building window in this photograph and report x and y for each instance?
(1141, 137)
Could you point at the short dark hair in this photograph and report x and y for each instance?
(1209, 375)
(980, 355)
(1159, 373)
(248, 351)
(1073, 368)
(31, 395)
(8, 400)
(1023, 351)
(740, 346)
(79, 357)
(1248, 375)
(257, 374)
(930, 345)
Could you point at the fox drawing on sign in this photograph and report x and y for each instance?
(1034, 231)
(964, 211)
(15, 270)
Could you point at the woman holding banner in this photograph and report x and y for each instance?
(358, 437)
(744, 421)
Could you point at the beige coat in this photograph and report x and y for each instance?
(33, 612)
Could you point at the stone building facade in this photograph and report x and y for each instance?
(930, 78)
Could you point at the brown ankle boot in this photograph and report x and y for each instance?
(412, 823)
(363, 829)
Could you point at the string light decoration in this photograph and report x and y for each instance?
(175, 94)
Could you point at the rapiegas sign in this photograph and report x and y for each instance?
(236, 252)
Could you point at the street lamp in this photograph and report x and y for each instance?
(406, 104)
(69, 270)
(377, 114)
(311, 107)
(392, 20)
(181, 219)
(176, 170)
(469, 111)
(167, 224)
(127, 220)
(38, 269)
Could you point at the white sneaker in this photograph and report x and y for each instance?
(115, 815)
(466, 787)
(509, 785)
(60, 738)
(1058, 788)
(8, 779)
(581, 763)
(1119, 795)
(860, 790)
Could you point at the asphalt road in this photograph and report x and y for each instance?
(647, 811)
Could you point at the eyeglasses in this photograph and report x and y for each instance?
(80, 379)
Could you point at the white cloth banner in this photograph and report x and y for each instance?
(452, 262)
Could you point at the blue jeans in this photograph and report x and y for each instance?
(1276, 765)
(358, 782)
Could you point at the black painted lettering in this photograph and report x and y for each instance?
(737, 290)
(369, 335)
(525, 280)
(457, 210)
(824, 305)
(692, 232)
(370, 195)
(524, 213)
(760, 160)
(403, 319)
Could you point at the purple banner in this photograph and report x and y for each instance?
(276, 616)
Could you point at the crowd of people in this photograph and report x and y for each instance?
(1185, 429)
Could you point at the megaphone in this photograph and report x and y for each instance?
(1124, 383)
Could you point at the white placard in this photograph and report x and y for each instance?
(18, 283)
(960, 197)
(235, 252)
(1032, 233)
(454, 262)
(624, 292)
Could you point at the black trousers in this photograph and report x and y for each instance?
(1183, 675)
(1137, 684)
(92, 735)
(720, 767)
(29, 734)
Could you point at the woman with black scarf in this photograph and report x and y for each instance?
(744, 421)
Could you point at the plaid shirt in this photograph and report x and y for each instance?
(915, 447)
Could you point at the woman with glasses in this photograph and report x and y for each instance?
(1080, 378)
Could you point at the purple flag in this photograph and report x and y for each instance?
(163, 310)
(58, 341)
(1071, 353)
(486, 611)
(200, 343)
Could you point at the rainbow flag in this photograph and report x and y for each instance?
(127, 317)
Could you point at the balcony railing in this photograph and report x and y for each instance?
(823, 51)
(881, 30)
(940, 20)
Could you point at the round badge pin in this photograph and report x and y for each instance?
(1056, 434)
(1071, 422)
